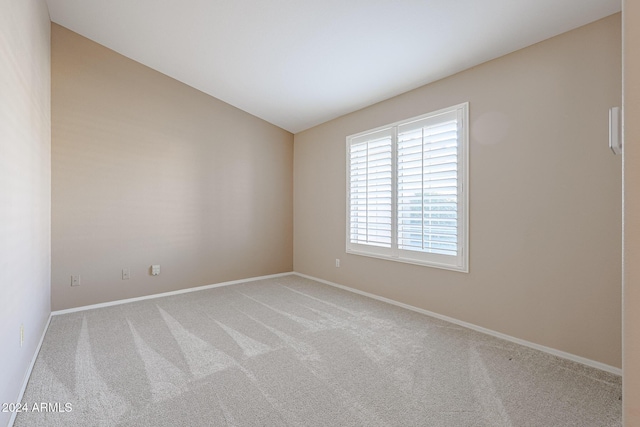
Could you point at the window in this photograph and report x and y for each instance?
(407, 193)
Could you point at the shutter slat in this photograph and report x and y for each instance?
(425, 200)
(428, 188)
(371, 192)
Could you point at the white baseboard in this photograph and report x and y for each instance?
(553, 351)
(166, 294)
(28, 373)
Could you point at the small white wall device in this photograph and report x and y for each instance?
(155, 270)
(615, 130)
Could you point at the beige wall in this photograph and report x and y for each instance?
(631, 326)
(147, 170)
(25, 188)
(545, 201)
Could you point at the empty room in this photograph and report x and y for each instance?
(320, 213)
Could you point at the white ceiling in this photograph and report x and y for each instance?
(298, 63)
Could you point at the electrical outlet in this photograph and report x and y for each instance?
(75, 280)
(21, 335)
(155, 270)
(126, 274)
(337, 262)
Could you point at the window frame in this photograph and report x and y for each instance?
(459, 262)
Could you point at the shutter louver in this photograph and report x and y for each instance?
(371, 191)
(407, 190)
(428, 188)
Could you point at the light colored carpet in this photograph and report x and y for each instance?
(294, 352)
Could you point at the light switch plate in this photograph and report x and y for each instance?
(615, 130)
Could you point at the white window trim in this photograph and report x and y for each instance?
(461, 263)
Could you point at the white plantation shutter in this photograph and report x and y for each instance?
(428, 185)
(406, 191)
(370, 190)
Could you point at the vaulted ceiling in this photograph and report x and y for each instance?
(298, 63)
